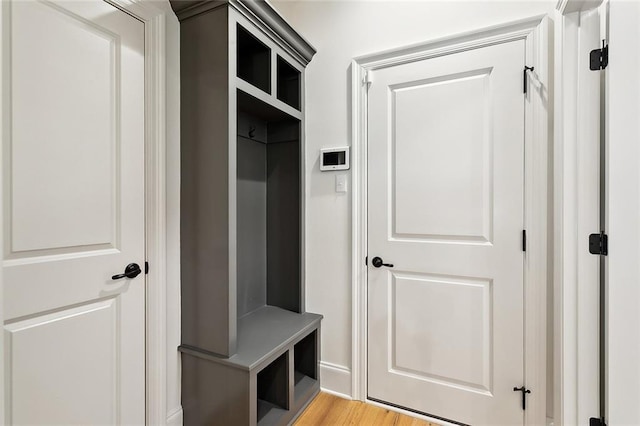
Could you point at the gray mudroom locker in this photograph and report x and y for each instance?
(249, 350)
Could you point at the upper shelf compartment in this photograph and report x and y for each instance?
(253, 60)
(254, 66)
(289, 84)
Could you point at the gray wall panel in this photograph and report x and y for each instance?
(248, 122)
(252, 225)
(213, 394)
(204, 221)
(283, 225)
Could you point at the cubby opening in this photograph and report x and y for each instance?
(273, 390)
(305, 364)
(289, 83)
(253, 60)
(268, 208)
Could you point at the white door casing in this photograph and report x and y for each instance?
(535, 34)
(446, 207)
(73, 209)
(576, 208)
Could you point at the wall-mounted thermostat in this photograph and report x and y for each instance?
(334, 158)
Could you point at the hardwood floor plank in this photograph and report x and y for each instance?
(330, 410)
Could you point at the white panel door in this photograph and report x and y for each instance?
(446, 209)
(73, 200)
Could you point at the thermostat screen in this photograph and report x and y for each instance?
(334, 158)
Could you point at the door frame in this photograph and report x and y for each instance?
(536, 33)
(575, 336)
(154, 20)
(621, 105)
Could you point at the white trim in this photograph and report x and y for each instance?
(570, 6)
(538, 116)
(535, 32)
(5, 50)
(154, 20)
(338, 394)
(175, 418)
(359, 229)
(503, 33)
(335, 379)
(570, 225)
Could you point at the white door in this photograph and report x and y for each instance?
(446, 209)
(73, 200)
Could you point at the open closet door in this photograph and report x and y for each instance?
(73, 205)
(623, 213)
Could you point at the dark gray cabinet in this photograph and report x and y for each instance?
(249, 349)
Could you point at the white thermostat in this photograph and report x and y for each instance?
(334, 159)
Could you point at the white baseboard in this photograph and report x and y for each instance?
(174, 418)
(335, 379)
(338, 394)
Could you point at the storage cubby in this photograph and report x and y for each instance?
(253, 60)
(244, 325)
(305, 364)
(289, 83)
(273, 389)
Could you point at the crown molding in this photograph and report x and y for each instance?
(261, 13)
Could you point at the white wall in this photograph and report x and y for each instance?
(623, 113)
(340, 31)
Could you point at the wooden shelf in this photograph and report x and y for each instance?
(270, 414)
(253, 60)
(303, 385)
(289, 83)
(267, 98)
(263, 335)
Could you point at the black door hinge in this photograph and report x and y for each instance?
(146, 267)
(524, 391)
(599, 58)
(366, 261)
(599, 244)
(524, 240)
(524, 78)
(596, 421)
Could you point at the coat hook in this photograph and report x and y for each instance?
(252, 131)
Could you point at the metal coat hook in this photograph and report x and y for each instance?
(252, 131)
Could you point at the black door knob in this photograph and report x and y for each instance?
(377, 262)
(131, 271)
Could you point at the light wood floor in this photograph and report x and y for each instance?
(329, 410)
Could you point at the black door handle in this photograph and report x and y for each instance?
(378, 262)
(131, 271)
